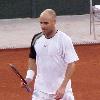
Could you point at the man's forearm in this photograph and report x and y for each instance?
(69, 71)
(32, 64)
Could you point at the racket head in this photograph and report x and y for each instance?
(15, 70)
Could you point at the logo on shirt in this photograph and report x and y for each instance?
(45, 45)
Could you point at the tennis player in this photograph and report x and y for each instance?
(51, 61)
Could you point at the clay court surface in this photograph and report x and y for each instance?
(86, 79)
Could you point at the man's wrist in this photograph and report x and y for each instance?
(30, 74)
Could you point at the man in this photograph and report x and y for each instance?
(52, 60)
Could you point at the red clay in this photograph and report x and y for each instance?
(85, 81)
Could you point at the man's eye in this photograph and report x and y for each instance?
(45, 22)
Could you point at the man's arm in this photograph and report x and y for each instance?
(31, 73)
(69, 71)
(32, 70)
(32, 64)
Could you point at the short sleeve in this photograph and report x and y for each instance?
(69, 53)
(32, 53)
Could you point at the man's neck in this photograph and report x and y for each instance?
(52, 34)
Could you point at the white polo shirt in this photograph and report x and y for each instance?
(52, 56)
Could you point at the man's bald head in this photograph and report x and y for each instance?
(49, 12)
(47, 22)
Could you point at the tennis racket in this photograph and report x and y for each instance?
(14, 69)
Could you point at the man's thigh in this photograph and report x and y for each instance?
(36, 98)
(40, 96)
(68, 97)
(37, 95)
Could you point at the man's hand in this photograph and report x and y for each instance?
(27, 80)
(23, 85)
(60, 93)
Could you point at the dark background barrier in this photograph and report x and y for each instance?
(32, 8)
(15, 8)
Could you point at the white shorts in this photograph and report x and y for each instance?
(38, 95)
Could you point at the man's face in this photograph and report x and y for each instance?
(47, 24)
